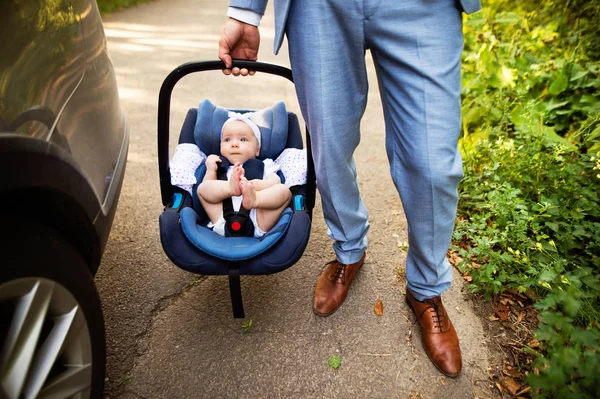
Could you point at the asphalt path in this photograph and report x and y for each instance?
(171, 334)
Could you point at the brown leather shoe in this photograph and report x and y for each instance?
(437, 334)
(333, 286)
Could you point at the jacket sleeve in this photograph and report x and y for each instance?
(258, 6)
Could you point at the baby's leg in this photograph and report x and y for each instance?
(212, 192)
(269, 203)
(213, 210)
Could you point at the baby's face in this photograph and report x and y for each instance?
(238, 142)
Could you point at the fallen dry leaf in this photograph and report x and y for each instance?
(409, 337)
(511, 372)
(511, 385)
(501, 311)
(378, 308)
(493, 318)
(499, 387)
(454, 258)
(520, 316)
(524, 390)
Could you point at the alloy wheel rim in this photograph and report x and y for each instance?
(45, 346)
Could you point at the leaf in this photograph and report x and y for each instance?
(551, 137)
(587, 99)
(501, 311)
(472, 115)
(552, 104)
(507, 18)
(594, 135)
(509, 371)
(547, 275)
(518, 118)
(523, 391)
(247, 326)
(335, 362)
(499, 387)
(511, 385)
(578, 75)
(571, 306)
(403, 245)
(594, 148)
(520, 317)
(125, 380)
(508, 76)
(378, 308)
(553, 226)
(559, 85)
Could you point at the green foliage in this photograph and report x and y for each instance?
(529, 214)
(515, 56)
(571, 369)
(125, 380)
(108, 6)
(335, 362)
(247, 326)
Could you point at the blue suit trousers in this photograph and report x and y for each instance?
(416, 46)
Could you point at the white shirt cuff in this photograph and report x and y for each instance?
(247, 16)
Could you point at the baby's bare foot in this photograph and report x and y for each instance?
(248, 194)
(234, 179)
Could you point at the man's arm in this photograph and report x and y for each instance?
(258, 6)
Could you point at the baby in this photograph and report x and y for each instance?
(266, 198)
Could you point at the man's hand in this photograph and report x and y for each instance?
(241, 41)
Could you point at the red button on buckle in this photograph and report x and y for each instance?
(236, 226)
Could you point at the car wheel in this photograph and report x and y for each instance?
(52, 341)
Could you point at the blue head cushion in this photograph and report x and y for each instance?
(272, 122)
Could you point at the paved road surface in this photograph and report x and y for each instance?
(170, 334)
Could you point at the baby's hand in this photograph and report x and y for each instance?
(211, 162)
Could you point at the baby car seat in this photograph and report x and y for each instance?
(186, 240)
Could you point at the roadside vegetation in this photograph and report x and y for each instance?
(108, 6)
(529, 213)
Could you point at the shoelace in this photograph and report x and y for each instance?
(340, 273)
(438, 315)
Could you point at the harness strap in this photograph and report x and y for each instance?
(238, 224)
(222, 175)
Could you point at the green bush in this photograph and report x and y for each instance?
(108, 6)
(531, 55)
(529, 213)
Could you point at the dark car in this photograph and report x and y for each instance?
(63, 149)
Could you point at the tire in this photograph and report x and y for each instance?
(52, 340)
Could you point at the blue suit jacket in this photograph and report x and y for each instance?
(282, 8)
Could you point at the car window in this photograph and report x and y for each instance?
(40, 65)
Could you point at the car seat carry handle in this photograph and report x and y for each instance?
(164, 107)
